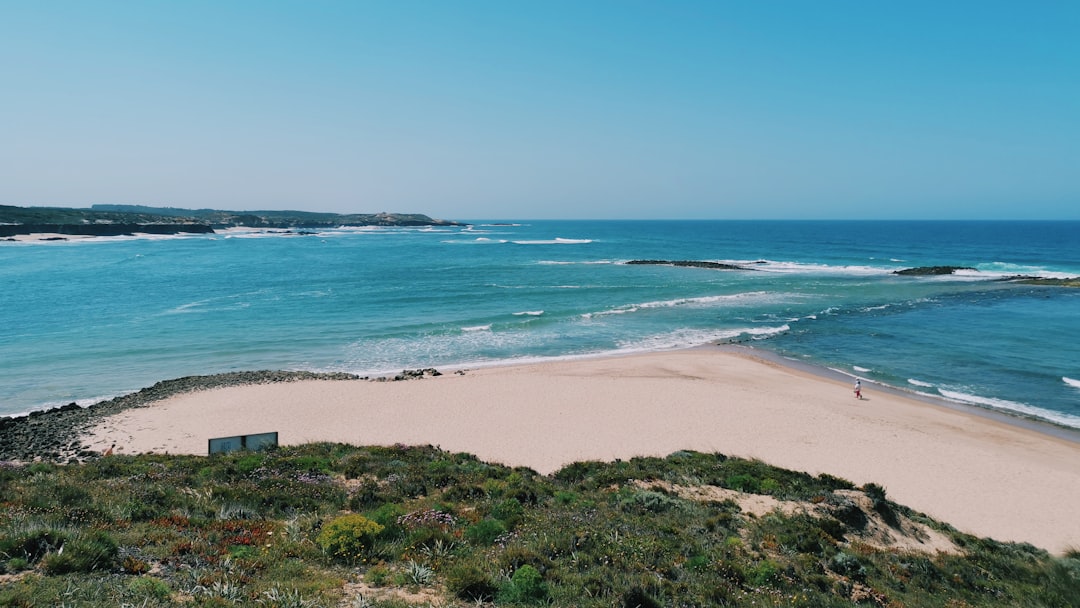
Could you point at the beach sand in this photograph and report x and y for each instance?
(982, 475)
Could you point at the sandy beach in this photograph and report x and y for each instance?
(982, 475)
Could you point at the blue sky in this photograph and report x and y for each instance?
(547, 109)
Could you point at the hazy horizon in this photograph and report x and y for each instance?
(555, 110)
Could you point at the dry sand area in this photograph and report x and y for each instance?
(981, 475)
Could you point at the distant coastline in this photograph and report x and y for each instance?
(117, 220)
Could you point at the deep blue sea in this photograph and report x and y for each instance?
(86, 320)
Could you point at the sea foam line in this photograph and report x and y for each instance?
(1071, 382)
(554, 241)
(686, 338)
(1014, 407)
(629, 308)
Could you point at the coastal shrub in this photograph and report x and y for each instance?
(31, 544)
(801, 533)
(1061, 585)
(509, 512)
(636, 597)
(248, 463)
(387, 516)
(149, 587)
(881, 504)
(835, 483)
(648, 501)
(17, 564)
(377, 576)
(527, 586)
(88, 552)
(469, 582)
(348, 537)
(848, 565)
(580, 472)
(564, 497)
(485, 531)
(365, 495)
(769, 486)
(743, 482)
(587, 544)
(765, 572)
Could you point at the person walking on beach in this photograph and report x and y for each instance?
(858, 389)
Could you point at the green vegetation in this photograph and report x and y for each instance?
(336, 525)
(140, 214)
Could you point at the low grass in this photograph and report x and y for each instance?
(337, 525)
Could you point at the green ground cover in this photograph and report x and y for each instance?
(337, 525)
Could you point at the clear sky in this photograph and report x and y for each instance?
(546, 108)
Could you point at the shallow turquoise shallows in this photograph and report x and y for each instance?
(80, 321)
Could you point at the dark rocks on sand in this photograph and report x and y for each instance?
(931, 270)
(689, 263)
(1028, 280)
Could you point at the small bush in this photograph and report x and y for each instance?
(150, 587)
(17, 564)
(32, 545)
(348, 537)
(762, 573)
(468, 582)
(563, 497)
(509, 511)
(377, 576)
(94, 551)
(525, 587)
(847, 565)
(648, 501)
(484, 532)
(744, 483)
(637, 598)
(387, 516)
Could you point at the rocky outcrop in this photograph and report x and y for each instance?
(1029, 280)
(931, 270)
(690, 263)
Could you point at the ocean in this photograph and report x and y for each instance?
(85, 320)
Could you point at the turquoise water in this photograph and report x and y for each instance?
(80, 321)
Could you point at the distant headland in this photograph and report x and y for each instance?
(116, 220)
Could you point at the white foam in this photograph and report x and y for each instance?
(477, 328)
(804, 268)
(1012, 406)
(529, 313)
(480, 240)
(566, 263)
(628, 308)
(861, 369)
(1071, 382)
(1006, 269)
(685, 338)
(920, 383)
(554, 241)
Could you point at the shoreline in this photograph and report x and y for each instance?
(984, 476)
(1032, 423)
